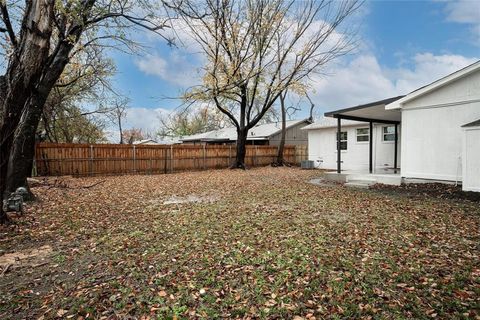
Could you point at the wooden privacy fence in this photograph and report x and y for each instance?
(58, 159)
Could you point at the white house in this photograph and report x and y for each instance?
(355, 140)
(438, 135)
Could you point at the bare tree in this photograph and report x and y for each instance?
(312, 106)
(39, 44)
(118, 113)
(283, 111)
(191, 119)
(258, 49)
(286, 111)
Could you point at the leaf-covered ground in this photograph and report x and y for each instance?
(261, 243)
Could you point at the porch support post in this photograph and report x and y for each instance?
(370, 147)
(396, 149)
(339, 153)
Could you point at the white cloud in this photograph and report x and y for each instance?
(140, 118)
(178, 69)
(144, 118)
(364, 79)
(428, 68)
(463, 11)
(467, 12)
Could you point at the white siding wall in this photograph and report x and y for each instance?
(322, 146)
(471, 160)
(431, 130)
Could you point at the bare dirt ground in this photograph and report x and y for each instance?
(261, 243)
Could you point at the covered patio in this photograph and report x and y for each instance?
(370, 113)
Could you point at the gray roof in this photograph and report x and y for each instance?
(145, 141)
(472, 124)
(259, 132)
(325, 122)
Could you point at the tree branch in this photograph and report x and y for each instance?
(8, 23)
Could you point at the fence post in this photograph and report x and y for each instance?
(171, 158)
(204, 156)
(165, 153)
(229, 156)
(255, 158)
(134, 160)
(91, 160)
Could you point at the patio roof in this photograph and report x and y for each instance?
(373, 111)
(472, 124)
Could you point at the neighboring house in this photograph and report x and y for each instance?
(165, 140)
(170, 140)
(436, 129)
(264, 134)
(146, 141)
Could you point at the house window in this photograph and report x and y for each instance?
(343, 140)
(389, 133)
(363, 135)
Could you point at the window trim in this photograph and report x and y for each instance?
(384, 134)
(362, 135)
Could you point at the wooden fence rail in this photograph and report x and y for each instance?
(58, 159)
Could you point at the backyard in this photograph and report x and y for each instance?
(261, 243)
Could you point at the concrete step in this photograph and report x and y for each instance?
(361, 176)
(359, 184)
(364, 181)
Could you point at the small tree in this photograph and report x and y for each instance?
(258, 49)
(132, 135)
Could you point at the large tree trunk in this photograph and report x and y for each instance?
(242, 133)
(23, 73)
(23, 149)
(281, 147)
(241, 149)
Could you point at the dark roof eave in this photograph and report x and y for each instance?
(362, 106)
(472, 124)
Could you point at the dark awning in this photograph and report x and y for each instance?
(472, 124)
(370, 112)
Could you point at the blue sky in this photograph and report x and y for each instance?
(402, 46)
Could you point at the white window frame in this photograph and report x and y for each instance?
(362, 135)
(342, 140)
(385, 134)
